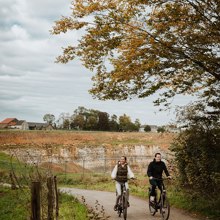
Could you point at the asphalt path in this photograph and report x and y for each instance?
(138, 209)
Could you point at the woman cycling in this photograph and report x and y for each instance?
(121, 173)
(154, 172)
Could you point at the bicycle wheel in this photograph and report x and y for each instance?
(125, 206)
(119, 207)
(165, 208)
(152, 207)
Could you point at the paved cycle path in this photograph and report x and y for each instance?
(138, 209)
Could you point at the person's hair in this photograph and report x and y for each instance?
(157, 154)
(125, 158)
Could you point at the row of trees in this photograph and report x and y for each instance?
(161, 129)
(91, 119)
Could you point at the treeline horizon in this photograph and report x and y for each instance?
(92, 120)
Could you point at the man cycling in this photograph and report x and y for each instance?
(154, 172)
(121, 173)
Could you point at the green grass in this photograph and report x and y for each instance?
(71, 208)
(13, 205)
(194, 204)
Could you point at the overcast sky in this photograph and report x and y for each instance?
(31, 84)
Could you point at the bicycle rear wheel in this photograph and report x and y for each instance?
(165, 208)
(125, 206)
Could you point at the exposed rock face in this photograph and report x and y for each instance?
(102, 158)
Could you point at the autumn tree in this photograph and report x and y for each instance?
(78, 122)
(62, 117)
(147, 128)
(66, 124)
(91, 123)
(137, 124)
(113, 123)
(137, 47)
(103, 121)
(49, 118)
(161, 129)
(125, 123)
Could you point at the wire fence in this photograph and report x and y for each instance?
(64, 166)
(27, 170)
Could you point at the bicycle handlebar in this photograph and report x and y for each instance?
(165, 178)
(128, 179)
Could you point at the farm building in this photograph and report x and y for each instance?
(8, 122)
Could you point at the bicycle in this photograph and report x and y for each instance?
(123, 201)
(160, 202)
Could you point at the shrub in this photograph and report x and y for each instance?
(147, 128)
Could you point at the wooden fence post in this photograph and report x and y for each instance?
(13, 185)
(57, 198)
(50, 198)
(35, 201)
(83, 168)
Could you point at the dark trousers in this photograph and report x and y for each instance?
(155, 183)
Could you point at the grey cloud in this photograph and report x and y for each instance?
(31, 84)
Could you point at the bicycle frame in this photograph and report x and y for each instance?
(122, 202)
(160, 203)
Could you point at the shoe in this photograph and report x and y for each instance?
(128, 204)
(152, 198)
(115, 207)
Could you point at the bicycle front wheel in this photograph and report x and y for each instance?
(120, 206)
(165, 208)
(125, 206)
(152, 207)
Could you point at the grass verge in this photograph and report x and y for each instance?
(178, 198)
(12, 204)
(71, 208)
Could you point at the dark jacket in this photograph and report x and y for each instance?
(155, 169)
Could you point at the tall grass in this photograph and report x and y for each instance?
(71, 208)
(12, 204)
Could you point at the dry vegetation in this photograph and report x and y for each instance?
(69, 138)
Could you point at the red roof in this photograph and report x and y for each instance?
(8, 120)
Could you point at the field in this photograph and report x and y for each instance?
(12, 138)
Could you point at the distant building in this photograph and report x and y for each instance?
(172, 129)
(21, 124)
(14, 123)
(8, 122)
(39, 126)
